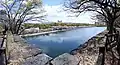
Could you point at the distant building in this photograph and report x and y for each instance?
(59, 21)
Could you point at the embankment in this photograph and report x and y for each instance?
(86, 54)
(53, 31)
(21, 53)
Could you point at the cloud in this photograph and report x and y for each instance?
(56, 13)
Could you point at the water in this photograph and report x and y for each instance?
(58, 43)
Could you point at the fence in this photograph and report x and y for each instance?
(111, 48)
(3, 50)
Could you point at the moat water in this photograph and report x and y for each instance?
(58, 43)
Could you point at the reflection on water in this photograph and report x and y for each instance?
(57, 43)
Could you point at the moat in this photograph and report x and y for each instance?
(58, 43)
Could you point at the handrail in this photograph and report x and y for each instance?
(100, 58)
(112, 40)
(4, 43)
(3, 53)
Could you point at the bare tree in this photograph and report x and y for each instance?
(19, 11)
(108, 8)
(99, 18)
(110, 11)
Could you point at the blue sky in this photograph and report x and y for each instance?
(52, 2)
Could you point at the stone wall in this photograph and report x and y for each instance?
(21, 53)
(86, 54)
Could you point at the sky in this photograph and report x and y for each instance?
(53, 2)
(54, 10)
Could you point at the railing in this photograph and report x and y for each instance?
(100, 59)
(3, 51)
(110, 48)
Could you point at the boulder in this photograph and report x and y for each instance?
(41, 59)
(30, 51)
(18, 39)
(24, 51)
(65, 59)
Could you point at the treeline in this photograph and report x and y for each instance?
(100, 25)
(45, 26)
(41, 26)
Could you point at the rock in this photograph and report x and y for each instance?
(41, 59)
(17, 38)
(86, 59)
(19, 51)
(65, 59)
(24, 52)
(31, 51)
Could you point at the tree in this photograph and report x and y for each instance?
(110, 11)
(99, 18)
(108, 8)
(18, 12)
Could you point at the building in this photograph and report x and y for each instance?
(59, 21)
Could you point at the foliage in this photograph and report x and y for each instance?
(41, 26)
